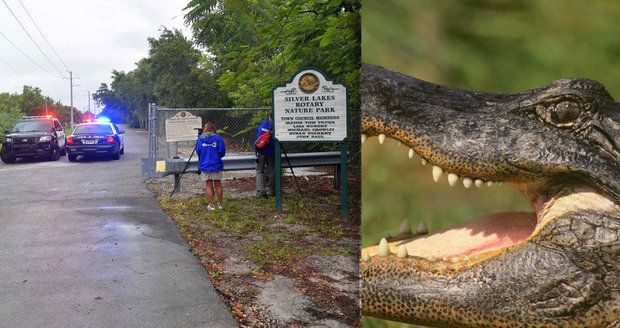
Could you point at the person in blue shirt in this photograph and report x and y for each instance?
(210, 148)
(265, 160)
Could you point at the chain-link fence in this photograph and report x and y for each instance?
(237, 127)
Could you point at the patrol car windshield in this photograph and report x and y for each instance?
(33, 126)
(93, 129)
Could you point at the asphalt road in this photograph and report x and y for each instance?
(84, 244)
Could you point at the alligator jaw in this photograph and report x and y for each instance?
(558, 145)
(501, 285)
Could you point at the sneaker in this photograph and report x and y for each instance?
(220, 207)
(210, 208)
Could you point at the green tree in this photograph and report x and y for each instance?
(258, 44)
(9, 111)
(174, 74)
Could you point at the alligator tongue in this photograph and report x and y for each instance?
(487, 233)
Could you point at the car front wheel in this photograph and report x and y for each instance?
(54, 154)
(7, 158)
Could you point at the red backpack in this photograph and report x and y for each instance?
(262, 140)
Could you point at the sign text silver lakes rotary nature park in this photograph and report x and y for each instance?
(310, 108)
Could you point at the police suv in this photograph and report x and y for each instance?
(34, 136)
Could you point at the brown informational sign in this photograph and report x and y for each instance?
(182, 127)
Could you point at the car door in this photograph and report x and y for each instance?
(121, 136)
(60, 134)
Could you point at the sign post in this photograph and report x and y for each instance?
(311, 108)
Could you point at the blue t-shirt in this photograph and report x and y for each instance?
(210, 149)
(270, 149)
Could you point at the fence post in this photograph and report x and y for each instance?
(344, 191)
(152, 131)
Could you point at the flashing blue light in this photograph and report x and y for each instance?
(103, 119)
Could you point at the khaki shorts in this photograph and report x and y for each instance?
(204, 176)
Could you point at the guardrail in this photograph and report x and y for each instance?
(160, 168)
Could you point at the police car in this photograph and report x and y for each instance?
(96, 138)
(34, 136)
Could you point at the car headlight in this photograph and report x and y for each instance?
(45, 138)
(8, 139)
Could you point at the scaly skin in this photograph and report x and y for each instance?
(559, 146)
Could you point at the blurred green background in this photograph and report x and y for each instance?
(494, 46)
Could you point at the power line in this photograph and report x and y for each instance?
(43, 35)
(24, 54)
(12, 69)
(9, 66)
(31, 38)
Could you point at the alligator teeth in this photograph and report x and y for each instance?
(445, 259)
(384, 249)
(452, 178)
(437, 173)
(455, 259)
(423, 162)
(422, 228)
(465, 258)
(363, 138)
(365, 257)
(489, 183)
(479, 183)
(381, 138)
(410, 154)
(405, 227)
(468, 182)
(402, 251)
(431, 259)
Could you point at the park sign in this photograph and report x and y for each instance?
(182, 127)
(310, 108)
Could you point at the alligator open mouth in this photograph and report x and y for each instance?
(485, 236)
(556, 266)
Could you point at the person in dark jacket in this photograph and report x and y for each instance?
(210, 148)
(265, 160)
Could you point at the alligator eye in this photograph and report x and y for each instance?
(565, 113)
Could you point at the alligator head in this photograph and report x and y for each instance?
(557, 266)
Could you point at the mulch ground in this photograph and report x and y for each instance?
(249, 244)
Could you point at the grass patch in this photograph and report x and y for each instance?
(289, 219)
(269, 238)
(270, 251)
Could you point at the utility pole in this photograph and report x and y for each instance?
(71, 84)
(45, 106)
(89, 101)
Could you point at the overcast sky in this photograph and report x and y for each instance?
(92, 37)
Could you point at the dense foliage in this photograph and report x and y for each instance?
(175, 74)
(240, 51)
(259, 44)
(30, 102)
